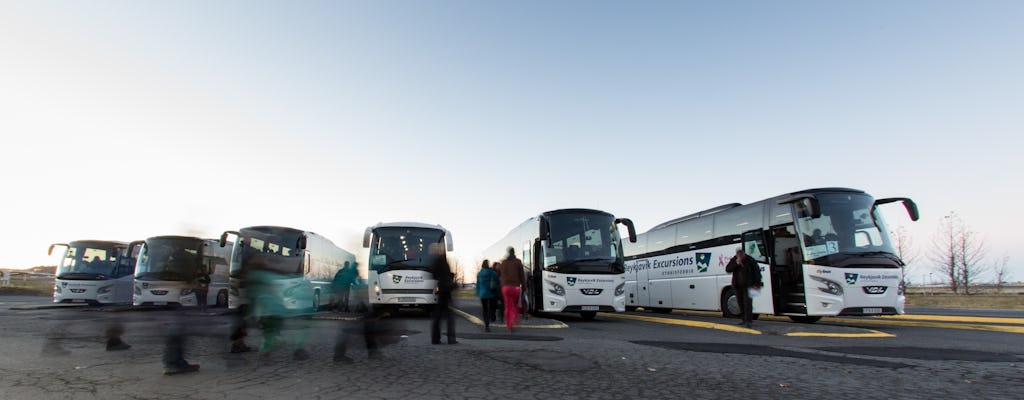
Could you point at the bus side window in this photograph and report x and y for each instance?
(753, 245)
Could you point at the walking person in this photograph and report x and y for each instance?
(445, 284)
(746, 274)
(202, 288)
(512, 276)
(343, 281)
(487, 287)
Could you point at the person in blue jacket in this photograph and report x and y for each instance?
(487, 285)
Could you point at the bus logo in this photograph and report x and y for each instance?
(703, 262)
(851, 279)
(571, 280)
(396, 279)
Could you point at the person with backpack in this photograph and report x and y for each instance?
(487, 287)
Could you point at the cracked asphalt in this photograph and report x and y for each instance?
(59, 354)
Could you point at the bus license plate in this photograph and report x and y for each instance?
(159, 303)
(590, 308)
(872, 311)
(406, 299)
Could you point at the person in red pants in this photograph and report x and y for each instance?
(513, 277)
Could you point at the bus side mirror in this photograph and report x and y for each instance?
(907, 203)
(224, 237)
(366, 238)
(301, 245)
(50, 251)
(448, 242)
(545, 231)
(811, 203)
(132, 245)
(629, 228)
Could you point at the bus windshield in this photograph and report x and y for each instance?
(266, 251)
(88, 261)
(170, 259)
(396, 248)
(583, 243)
(849, 225)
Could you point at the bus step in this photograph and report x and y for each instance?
(804, 305)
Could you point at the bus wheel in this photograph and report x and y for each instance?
(630, 308)
(316, 302)
(222, 298)
(588, 315)
(730, 305)
(804, 319)
(661, 310)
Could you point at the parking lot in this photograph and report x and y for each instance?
(626, 355)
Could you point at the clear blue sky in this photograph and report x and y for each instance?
(124, 119)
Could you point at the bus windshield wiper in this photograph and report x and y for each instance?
(592, 260)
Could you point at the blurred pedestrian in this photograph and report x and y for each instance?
(487, 287)
(746, 274)
(202, 288)
(445, 284)
(513, 278)
(343, 281)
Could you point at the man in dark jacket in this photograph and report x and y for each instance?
(746, 274)
(445, 284)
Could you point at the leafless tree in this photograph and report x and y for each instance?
(971, 252)
(904, 245)
(457, 270)
(958, 253)
(1002, 272)
(943, 254)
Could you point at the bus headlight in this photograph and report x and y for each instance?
(57, 289)
(138, 290)
(900, 288)
(105, 289)
(620, 290)
(556, 289)
(186, 292)
(831, 287)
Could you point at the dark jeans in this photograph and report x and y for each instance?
(746, 307)
(489, 306)
(442, 311)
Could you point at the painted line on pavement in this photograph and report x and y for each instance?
(683, 322)
(943, 325)
(870, 334)
(478, 321)
(953, 318)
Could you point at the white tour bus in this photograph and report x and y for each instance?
(573, 261)
(822, 252)
(398, 264)
(169, 266)
(94, 272)
(294, 267)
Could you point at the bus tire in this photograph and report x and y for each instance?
(804, 319)
(222, 298)
(588, 315)
(730, 305)
(631, 308)
(662, 310)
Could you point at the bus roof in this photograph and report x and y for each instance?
(98, 242)
(575, 211)
(734, 205)
(406, 225)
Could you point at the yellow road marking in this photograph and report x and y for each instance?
(953, 318)
(477, 321)
(941, 321)
(683, 322)
(969, 327)
(870, 334)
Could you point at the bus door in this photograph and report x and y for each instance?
(753, 245)
(787, 266)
